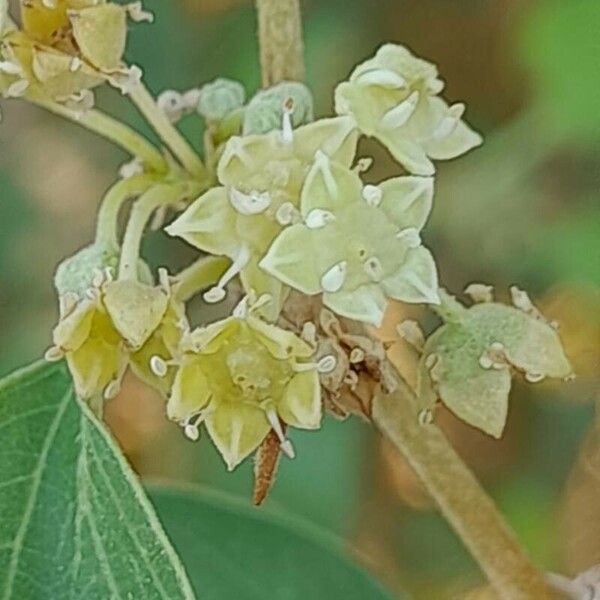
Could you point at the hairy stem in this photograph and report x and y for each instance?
(162, 194)
(117, 195)
(111, 129)
(169, 134)
(461, 499)
(280, 35)
(459, 496)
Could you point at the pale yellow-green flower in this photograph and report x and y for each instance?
(261, 178)
(357, 245)
(394, 97)
(64, 47)
(242, 377)
(469, 361)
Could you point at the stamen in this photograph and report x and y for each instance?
(357, 355)
(285, 213)
(191, 429)
(131, 168)
(10, 68)
(410, 236)
(382, 77)
(54, 354)
(287, 129)
(285, 444)
(425, 417)
(309, 333)
(324, 164)
(171, 103)
(480, 292)
(217, 293)
(534, 377)
(449, 122)
(158, 366)
(400, 114)
(126, 80)
(112, 390)
(318, 218)
(17, 89)
(327, 364)
(253, 203)
(372, 195)
(363, 164)
(333, 280)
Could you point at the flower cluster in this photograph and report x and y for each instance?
(64, 48)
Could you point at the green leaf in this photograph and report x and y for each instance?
(74, 521)
(232, 550)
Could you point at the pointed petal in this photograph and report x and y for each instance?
(209, 224)
(190, 393)
(336, 137)
(280, 343)
(329, 186)
(407, 200)
(367, 303)
(135, 308)
(301, 403)
(416, 280)
(288, 260)
(256, 280)
(237, 430)
(72, 331)
(101, 33)
(407, 152)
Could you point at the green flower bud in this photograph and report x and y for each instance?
(220, 98)
(266, 110)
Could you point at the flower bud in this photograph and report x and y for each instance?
(219, 98)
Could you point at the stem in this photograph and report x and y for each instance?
(280, 36)
(157, 196)
(169, 134)
(460, 497)
(106, 225)
(111, 129)
(200, 275)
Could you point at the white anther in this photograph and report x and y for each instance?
(285, 213)
(351, 380)
(217, 293)
(253, 203)
(363, 164)
(81, 101)
(372, 195)
(131, 168)
(158, 366)
(54, 354)
(75, 64)
(324, 165)
(191, 426)
(486, 361)
(284, 443)
(17, 89)
(373, 268)
(126, 80)
(534, 377)
(410, 236)
(191, 432)
(136, 13)
(449, 121)
(318, 218)
(309, 333)
(521, 300)
(287, 129)
(480, 292)
(425, 417)
(357, 355)
(326, 364)
(333, 279)
(112, 390)
(171, 103)
(10, 68)
(382, 77)
(497, 347)
(400, 114)
(410, 331)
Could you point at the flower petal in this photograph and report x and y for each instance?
(301, 403)
(336, 137)
(407, 152)
(237, 430)
(72, 331)
(407, 200)
(280, 343)
(416, 281)
(366, 303)
(190, 393)
(209, 224)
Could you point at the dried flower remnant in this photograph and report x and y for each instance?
(260, 177)
(394, 97)
(469, 361)
(357, 245)
(242, 378)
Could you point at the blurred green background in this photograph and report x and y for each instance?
(524, 209)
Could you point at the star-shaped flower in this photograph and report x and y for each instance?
(261, 178)
(242, 377)
(394, 97)
(357, 245)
